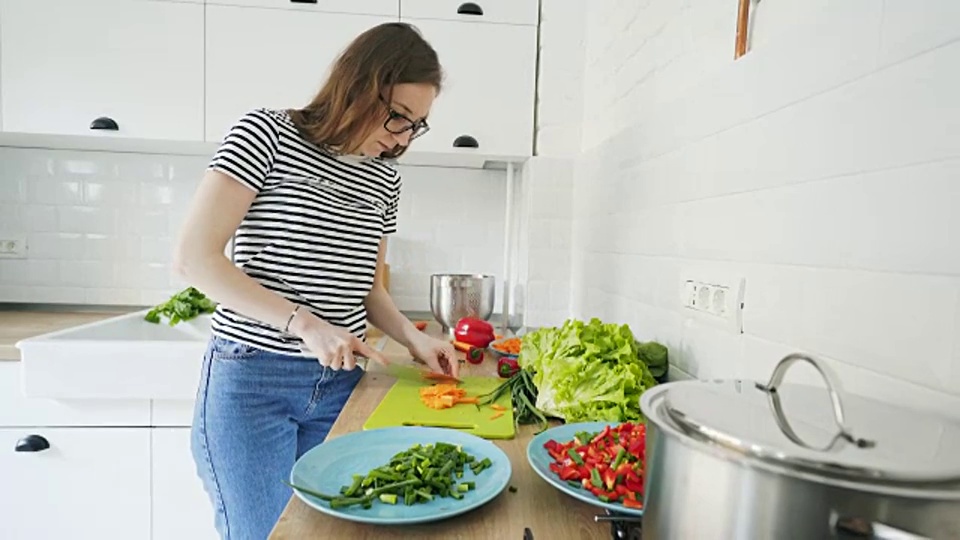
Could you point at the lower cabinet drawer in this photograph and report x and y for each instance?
(76, 483)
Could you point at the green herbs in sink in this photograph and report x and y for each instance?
(183, 306)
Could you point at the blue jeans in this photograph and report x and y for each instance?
(256, 413)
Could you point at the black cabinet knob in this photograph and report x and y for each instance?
(32, 443)
(465, 141)
(469, 8)
(303, 1)
(105, 123)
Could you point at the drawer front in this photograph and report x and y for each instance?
(359, 7)
(76, 483)
(491, 11)
(17, 410)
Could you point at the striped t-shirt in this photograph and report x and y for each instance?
(313, 229)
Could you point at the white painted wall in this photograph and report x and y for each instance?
(824, 167)
(99, 226)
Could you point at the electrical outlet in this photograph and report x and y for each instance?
(718, 300)
(13, 248)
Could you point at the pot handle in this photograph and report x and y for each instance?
(850, 527)
(833, 388)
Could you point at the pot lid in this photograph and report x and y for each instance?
(818, 429)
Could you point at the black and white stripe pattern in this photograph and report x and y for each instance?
(313, 230)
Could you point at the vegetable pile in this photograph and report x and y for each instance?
(608, 464)
(183, 306)
(523, 394)
(507, 346)
(590, 371)
(415, 475)
(443, 396)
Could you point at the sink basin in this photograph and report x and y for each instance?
(123, 357)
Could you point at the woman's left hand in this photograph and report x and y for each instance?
(439, 355)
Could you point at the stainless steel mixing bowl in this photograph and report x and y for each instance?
(454, 296)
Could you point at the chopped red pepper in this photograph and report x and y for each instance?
(569, 473)
(611, 468)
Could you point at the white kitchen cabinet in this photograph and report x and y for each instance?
(181, 508)
(67, 63)
(259, 57)
(488, 93)
(361, 7)
(91, 483)
(19, 411)
(490, 11)
(171, 412)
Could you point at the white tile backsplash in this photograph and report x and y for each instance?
(13, 191)
(87, 219)
(817, 168)
(39, 218)
(100, 226)
(907, 30)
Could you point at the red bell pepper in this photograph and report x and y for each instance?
(473, 331)
(474, 355)
(507, 367)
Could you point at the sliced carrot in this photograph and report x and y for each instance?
(498, 407)
(509, 346)
(496, 415)
(443, 396)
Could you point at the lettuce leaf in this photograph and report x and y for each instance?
(588, 371)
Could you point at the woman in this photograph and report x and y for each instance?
(310, 199)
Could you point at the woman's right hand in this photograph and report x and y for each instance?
(333, 346)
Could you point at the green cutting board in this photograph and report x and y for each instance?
(402, 406)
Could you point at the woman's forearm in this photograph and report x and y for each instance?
(383, 313)
(222, 281)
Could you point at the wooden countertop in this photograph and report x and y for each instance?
(547, 512)
(17, 324)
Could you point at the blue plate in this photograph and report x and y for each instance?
(328, 466)
(540, 460)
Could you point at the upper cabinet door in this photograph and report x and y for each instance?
(360, 7)
(124, 67)
(491, 11)
(486, 104)
(270, 58)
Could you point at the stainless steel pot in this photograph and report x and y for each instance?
(454, 296)
(743, 459)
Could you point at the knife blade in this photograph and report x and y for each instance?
(440, 423)
(414, 374)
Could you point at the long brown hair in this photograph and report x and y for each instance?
(350, 105)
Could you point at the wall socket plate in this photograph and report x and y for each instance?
(13, 247)
(714, 297)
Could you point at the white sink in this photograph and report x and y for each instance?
(122, 357)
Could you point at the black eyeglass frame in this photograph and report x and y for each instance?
(418, 128)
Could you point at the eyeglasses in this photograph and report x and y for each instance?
(398, 123)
